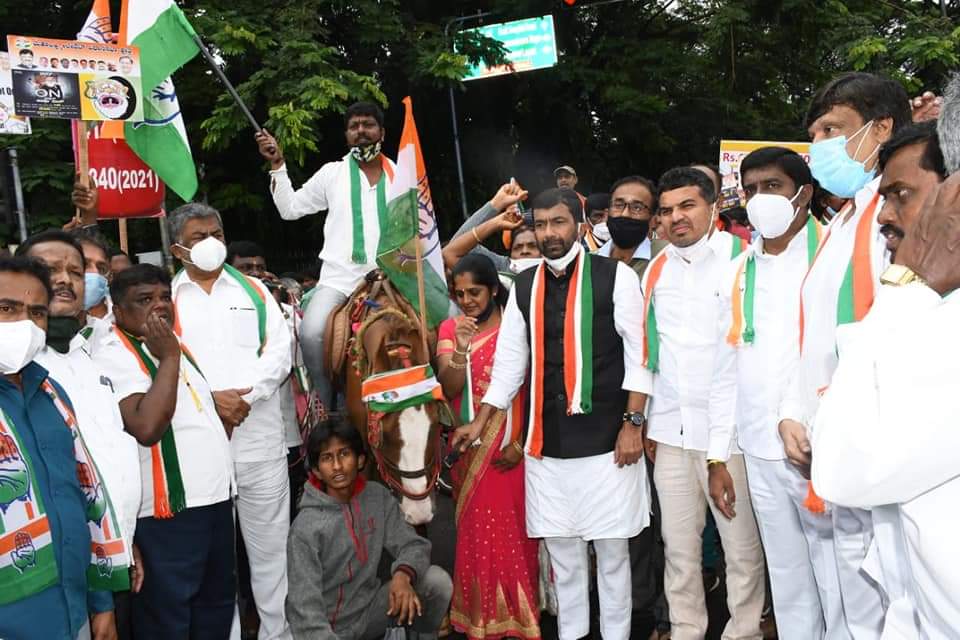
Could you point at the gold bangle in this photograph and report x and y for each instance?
(710, 463)
(476, 235)
(516, 445)
(457, 365)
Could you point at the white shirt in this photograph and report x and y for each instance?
(92, 392)
(288, 405)
(202, 447)
(512, 357)
(329, 189)
(685, 301)
(221, 330)
(886, 438)
(819, 295)
(749, 379)
(641, 252)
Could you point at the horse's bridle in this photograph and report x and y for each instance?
(430, 471)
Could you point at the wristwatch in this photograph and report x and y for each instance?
(636, 418)
(899, 275)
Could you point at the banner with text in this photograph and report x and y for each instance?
(75, 80)
(9, 122)
(732, 153)
(530, 43)
(127, 187)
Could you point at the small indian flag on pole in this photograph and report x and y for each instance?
(392, 391)
(411, 220)
(167, 42)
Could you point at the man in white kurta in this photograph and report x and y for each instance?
(885, 436)
(583, 481)
(352, 191)
(848, 120)
(757, 338)
(679, 326)
(235, 329)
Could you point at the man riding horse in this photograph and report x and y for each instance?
(404, 440)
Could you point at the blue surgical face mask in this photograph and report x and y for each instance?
(835, 170)
(94, 289)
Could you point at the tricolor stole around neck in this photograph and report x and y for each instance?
(577, 349)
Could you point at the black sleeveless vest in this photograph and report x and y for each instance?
(578, 436)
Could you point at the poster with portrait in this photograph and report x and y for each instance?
(75, 80)
(9, 121)
(732, 152)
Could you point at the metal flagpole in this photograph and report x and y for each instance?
(226, 83)
(18, 194)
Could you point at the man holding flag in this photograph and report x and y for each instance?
(373, 206)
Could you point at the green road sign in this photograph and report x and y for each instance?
(531, 44)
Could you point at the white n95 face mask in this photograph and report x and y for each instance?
(20, 342)
(208, 254)
(521, 264)
(601, 231)
(772, 214)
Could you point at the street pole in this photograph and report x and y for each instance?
(18, 194)
(453, 115)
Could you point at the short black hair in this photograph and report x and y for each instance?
(788, 161)
(484, 273)
(23, 51)
(648, 183)
(136, 275)
(363, 109)
(51, 235)
(680, 177)
(335, 426)
(244, 249)
(552, 197)
(597, 202)
(714, 171)
(114, 252)
(31, 267)
(87, 237)
(917, 133)
(873, 97)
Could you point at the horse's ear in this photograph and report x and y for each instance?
(361, 461)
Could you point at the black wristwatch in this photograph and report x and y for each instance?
(636, 418)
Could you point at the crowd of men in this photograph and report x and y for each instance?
(776, 379)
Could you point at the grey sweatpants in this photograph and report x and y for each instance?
(435, 589)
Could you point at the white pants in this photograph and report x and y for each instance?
(799, 549)
(263, 509)
(863, 604)
(571, 568)
(681, 479)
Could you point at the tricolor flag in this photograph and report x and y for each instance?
(97, 28)
(411, 219)
(393, 391)
(166, 42)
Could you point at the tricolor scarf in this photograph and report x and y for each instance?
(169, 496)
(109, 556)
(744, 289)
(577, 347)
(400, 389)
(854, 298)
(359, 252)
(651, 343)
(256, 298)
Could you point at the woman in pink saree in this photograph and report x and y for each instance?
(496, 572)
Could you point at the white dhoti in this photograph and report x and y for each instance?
(571, 501)
(863, 603)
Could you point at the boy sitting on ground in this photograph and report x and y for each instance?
(335, 545)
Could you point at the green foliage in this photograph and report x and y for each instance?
(642, 85)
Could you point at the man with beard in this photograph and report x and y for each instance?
(912, 167)
(584, 435)
(353, 192)
(632, 200)
(67, 356)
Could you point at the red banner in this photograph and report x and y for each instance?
(127, 187)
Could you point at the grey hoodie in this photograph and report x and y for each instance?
(333, 553)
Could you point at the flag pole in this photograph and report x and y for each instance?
(226, 83)
(421, 295)
(83, 156)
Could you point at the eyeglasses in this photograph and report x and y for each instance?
(636, 207)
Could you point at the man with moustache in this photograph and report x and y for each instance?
(912, 167)
(585, 414)
(353, 191)
(679, 324)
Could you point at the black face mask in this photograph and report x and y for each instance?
(486, 313)
(627, 232)
(60, 331)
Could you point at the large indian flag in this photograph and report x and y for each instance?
(411, 219)
(166, 42)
